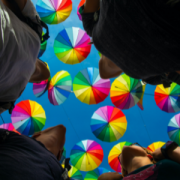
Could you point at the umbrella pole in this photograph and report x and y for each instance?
(2, 119)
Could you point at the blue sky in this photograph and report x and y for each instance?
(144, 127)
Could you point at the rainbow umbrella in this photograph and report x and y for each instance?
(9, 127)
(40, 88)
(59, 88)
(152, 147)
(63, 157)
(42, 48)
(126, 92)
(168, 99)
(99, 54)
(174, 129)
(28, 117)
(75, 174)
(93, 175)
(71, 45)
(89, 88)
(114, 153)
(78, 13)
(54, 11)
(86, 155)
(140, 103)
(108, 124)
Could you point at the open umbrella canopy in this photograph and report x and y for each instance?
(80, 4)
(75, 174)
(54, 11)
(174, 129)
(40, 88)
(9, 127)
(168, 99)
(152, 147)
(42, 48)
(89, 88)
(93, 175)
(28, 117)
(86, 155)
(108, 124)
(113, 155)
(59, 87)
(126, 92)
(71, 45)
(63, 157)
(140, 103)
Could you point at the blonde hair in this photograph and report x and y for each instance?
(125, 173)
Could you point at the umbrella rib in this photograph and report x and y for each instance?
(142, 91)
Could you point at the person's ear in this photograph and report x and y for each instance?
(35, 135)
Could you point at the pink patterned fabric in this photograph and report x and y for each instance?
(143, 175)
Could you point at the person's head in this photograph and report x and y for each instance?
(108, 69)
(134, 157)
(53, 139)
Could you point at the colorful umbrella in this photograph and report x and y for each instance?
(42, 48)
(28, 117)
(168, 99)
(174, 129)
(86, 155)
(152, 147)
(71, 45)
(59, 87)
(108, 124)
(89, 88)
(63, 157)
(93, 175)
(80, 4)
(114, 153)
(54, 11)
(126, 92)
(75, 174)
(140, 103)
(40, 88)
(9, 127)
(99, 54)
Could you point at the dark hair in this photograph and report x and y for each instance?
(173, 2)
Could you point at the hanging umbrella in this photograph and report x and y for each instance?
(80, 4)
(42, 48)
(54, 11)
(89, 88)
(9, 127)
(108, 124)
(168, 99)
(86, 155)
(93, 175)
(174, 129)
(126, 92)
(114, 153)
(152, 147)
(28, 117)
(59, 88)
(40, 88)
(140, 103)
(71, 45)
(63, 157)
(75, 174)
